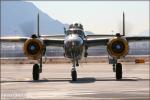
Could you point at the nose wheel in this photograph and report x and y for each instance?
(118, 71)
(36, 73)
(74, 74)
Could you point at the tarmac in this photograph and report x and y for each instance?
(96, 81)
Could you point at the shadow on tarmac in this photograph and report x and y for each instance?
(80, 80)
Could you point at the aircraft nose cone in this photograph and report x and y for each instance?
(76, 42)
(73, 41)
(73, 46)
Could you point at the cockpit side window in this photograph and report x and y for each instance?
(69, 32)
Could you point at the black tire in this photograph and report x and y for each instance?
(74, 75)
(35, 72)
(118, 71)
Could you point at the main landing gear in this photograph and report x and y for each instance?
(36, 72)
(37, 69)
(117, 68)
(118, 71)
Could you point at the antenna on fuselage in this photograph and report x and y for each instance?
(38, 25)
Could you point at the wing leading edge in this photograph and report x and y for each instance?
(103, 41)
(59, 41)
(49, 41)
(13, 39)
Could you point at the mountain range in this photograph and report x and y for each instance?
(20, 19)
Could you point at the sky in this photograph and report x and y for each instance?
(100, 17)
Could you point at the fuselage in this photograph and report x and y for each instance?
(74, 44)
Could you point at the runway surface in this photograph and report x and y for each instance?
(96, 81)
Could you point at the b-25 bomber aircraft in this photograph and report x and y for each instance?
(75, 44)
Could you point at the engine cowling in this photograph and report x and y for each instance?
(34, 48)
(118, 47)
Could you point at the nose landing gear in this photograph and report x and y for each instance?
(74, 74)
(73, 71)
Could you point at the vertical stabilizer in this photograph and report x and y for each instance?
(123, 24)
(38, 25)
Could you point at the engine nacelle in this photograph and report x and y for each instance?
(34, 48)
(118, 47)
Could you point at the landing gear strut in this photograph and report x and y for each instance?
(77, 63)
(73, 71)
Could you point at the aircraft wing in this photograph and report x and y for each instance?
(14, 39)
(59, 40)
(138, 38)
(100, 36)
(53, 36)
(96, 41)
(54, 42)
(48, 40)
(103, 41)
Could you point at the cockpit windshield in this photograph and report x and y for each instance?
(75, 29)
(78, 32)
